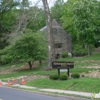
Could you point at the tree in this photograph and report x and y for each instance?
(49, 30)
(97, 29)
(31, 18)
(23, 15)
(7, 19)
(67, 20)
(28, 48)
(27, 17)
(83, 14)
(57, 10)
(39, 21)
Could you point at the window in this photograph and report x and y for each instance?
(54, 31)
(58, 45)
(57, 56)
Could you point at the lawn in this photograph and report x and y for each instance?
(81, 84)
(81, 64)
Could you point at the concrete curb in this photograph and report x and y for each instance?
(69, 92)
(85, 94)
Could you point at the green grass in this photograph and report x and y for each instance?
(9, 66)
(80, 70)
(84, 61)
(27, 72)
(40, 72)
(80, 65)
(81, 84)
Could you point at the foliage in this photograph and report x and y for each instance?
(64, 55)
(81, 19)
(54, 76)
(67, 19)
(14, 21)
(79, 50)
(57, 10)
(29, 47)
(63, 77)
(39, 21)
(75, 75)
(7, 19)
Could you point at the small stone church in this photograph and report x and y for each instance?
(62, 40)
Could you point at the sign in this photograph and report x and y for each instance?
(62, 65)
(63, 70)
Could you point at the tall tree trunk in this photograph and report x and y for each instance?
(51, 48)
(30, 65)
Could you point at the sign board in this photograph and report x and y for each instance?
(63, 70)
(62, 65)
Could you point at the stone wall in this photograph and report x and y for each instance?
(63, 41)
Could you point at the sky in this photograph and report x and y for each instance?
(50, 2)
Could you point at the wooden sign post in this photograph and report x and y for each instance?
(62, 65)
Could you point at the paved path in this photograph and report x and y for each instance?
(16, 94)
(86, 94)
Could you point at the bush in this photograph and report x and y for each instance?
(54, 76)
(75, 75)
(63, 77)
(64, 55)
(79, 50)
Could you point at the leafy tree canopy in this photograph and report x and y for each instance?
(57, 10)
(29, 47)
(84, 17)
(38, 20)
(7, 18)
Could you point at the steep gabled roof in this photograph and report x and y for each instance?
(54, 24)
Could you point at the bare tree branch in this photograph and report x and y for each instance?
(25, 17)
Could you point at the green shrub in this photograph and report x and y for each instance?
(64, 55)
(54, 76)
(63, 77)
(79, 50)
(75, 75)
